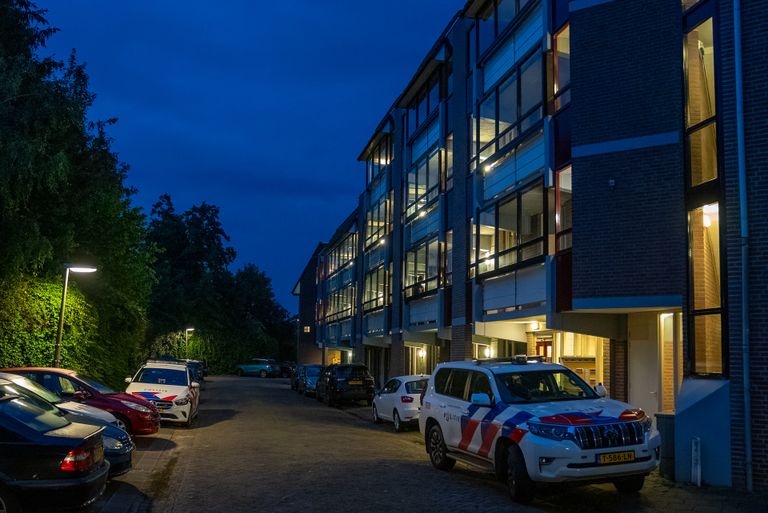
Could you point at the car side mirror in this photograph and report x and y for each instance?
(128, 379)
(80, 396)
(601, 391)
(481, 400)
(195, 384)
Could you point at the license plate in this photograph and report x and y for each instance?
(356, 382)
(616, 457)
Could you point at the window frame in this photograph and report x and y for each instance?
(515, 195)
(428, 284)
(705, 193)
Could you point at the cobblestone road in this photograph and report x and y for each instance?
(257, 446)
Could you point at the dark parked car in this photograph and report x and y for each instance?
(287, 369)
(48, 463)
(261, 367)
(134, 415)
(295, 377)
(306, 382)
(345, 382)
(118, 446)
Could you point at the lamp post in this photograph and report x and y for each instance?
(186, 340)
(74, 269)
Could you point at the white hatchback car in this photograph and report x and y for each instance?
(399, 401)
(170, 386)
(534, 422)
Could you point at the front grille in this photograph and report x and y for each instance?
(601, 436)
(163, 405)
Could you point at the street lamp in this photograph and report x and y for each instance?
(186, 340)
(74, 269)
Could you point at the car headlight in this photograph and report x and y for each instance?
(112, 443)
(136, 406)
(552, 432)
(181, 402)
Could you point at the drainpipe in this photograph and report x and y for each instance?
(744, 240)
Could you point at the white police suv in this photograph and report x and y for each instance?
(531, 422)
(170, 386)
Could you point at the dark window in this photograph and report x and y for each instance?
(480, 385)
(415, 387)
(458, 383)
(441, 381)
(391, 387)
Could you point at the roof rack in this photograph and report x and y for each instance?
(520, 359)
(172, 362)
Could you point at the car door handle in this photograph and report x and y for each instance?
(441, 405)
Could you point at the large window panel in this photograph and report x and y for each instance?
(562, 59)
(564, 209)
(708, 337)
(702, 154)
(532, 223)
(508, 103)
(700, 73)
(705, 256)
(508, 235)
(486, 247)
(422, 268)
(531, 87)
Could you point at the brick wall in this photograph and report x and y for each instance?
(629, 238)
(754, 18)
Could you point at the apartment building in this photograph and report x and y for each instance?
(573, 180)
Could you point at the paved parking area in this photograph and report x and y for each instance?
(257, 446)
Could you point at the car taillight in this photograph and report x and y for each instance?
(77, 460)
(406, 399)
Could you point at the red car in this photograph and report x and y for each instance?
(134, 414)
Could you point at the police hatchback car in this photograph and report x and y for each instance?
(532, 422)
(170, 386)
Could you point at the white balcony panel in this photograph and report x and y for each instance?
(374, 323)
(499, 63)
(424, 310)
(525, 286)
(425, 141)
(423, 226)
(346, 328)
(532, 285)
(530, 156)
(528, 159)
(529, 33)
(499, 292)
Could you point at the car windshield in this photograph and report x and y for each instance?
(162, 376)
(312, 372)
(100, 387)
(416, 387)
(37, 389)
(31, 413)
(351, 372)
(543, 386)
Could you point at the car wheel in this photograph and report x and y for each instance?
(240, 372)
(263, 374)
(329, 399)
(8, 502)
(121, 422)
(375, 415)
(396, 421)
(631, 484)
(521, 488)
(438, 452)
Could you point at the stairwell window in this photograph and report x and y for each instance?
(701, 127)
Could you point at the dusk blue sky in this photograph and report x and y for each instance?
(258, 107)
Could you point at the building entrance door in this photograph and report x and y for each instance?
(643, 363)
